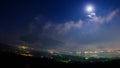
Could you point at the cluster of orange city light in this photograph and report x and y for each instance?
(25, 50)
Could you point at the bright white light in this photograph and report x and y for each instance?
(89, 8)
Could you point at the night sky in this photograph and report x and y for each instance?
(61, 24)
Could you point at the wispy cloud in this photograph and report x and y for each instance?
(108, 18)
(61, 29)
(112, 15)
(47, 26)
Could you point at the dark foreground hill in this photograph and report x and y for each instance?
(12, 60)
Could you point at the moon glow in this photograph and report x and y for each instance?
(89, 8)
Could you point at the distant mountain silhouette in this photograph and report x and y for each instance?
(41, 41)
(6, 47)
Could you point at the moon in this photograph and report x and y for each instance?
(89, 8)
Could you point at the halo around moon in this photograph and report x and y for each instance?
(89, 8)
